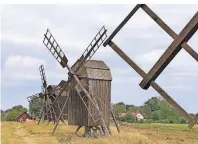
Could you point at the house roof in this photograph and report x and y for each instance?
(62, 83)
(93, 69)
(122, 115)
(55, 89)
(96, 64)
(24, 113)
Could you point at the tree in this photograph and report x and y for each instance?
(129, 107)
(152, 104)
(119, 108)
(183, 120)
(12, 115)
(121, 103)
(2, 115)
(19, 108)
(35, 106)
(155, 115)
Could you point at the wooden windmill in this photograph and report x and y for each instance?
(179, 42)
(49, 95)
(89, 86)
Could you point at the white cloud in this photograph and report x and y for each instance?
(126, 80)
(183, 63)
(179, 87)
(22, 24)
(21, 68)
(150, 57)
(184, 74)
(16, 61)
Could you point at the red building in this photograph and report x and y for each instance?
(24, 117)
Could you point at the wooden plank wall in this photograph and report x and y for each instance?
(102, 89)
(77, 112)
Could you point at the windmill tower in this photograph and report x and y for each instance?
(47, 96)
(89, 85)
(50, 94)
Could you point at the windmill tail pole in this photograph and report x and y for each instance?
(114, 119)
(118, 129)
(60, 116)
(40, 116)
(101, 116)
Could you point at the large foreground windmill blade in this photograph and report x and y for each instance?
(56, 51)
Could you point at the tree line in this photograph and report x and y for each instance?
(155, 110)
(13, 113)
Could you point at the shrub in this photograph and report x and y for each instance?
(183, 121)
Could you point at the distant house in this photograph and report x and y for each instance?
(24, 117)
(137, 115)
(121, 115)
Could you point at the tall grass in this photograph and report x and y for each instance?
(31, 133)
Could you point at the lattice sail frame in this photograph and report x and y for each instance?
(179, 42)
(50, 42)
(33, 97)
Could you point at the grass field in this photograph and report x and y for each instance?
(31, 133)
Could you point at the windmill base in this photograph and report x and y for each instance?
(93, 131)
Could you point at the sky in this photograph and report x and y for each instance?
(74, 26)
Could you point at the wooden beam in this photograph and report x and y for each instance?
(193, 121)
(171, 52)
(169, 31)
(134, 10)
(179, 109)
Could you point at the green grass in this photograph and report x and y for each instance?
(31, 133)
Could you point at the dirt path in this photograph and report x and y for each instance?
(23, 135)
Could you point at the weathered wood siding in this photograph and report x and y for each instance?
(102, 90)
(77, 112)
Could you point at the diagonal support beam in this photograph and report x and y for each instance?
(169, 31)
(171, 52)
(193, 121)
(134, 10)
(180, 110)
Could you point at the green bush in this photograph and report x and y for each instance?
(149, 121)
(183, 121)
(12, 115)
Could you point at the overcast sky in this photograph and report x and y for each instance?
(74, 26)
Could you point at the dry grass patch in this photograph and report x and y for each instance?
(31, 133)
